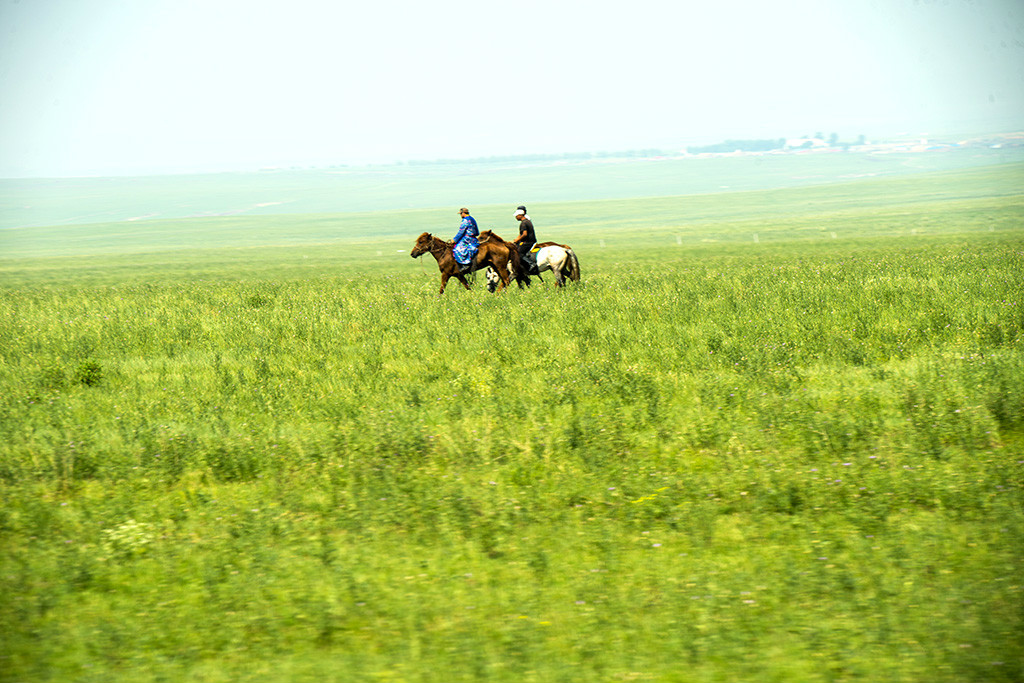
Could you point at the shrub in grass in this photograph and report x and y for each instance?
(89, 373)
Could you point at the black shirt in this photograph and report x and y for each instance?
(526, 225)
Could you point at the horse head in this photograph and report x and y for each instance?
(422, 246)
(492, 280)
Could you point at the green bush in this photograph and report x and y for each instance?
(88, 372)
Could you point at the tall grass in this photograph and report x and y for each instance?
(789, 460)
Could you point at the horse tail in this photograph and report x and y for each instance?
(573, 265)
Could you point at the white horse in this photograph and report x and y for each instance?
(560, 259)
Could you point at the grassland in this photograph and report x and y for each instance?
(773, 435)
(76, 201)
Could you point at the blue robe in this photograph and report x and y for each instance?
(466, 244)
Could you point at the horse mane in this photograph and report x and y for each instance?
(488, 235)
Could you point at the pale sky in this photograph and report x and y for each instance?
(94, 87)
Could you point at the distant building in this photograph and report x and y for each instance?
(805, 143)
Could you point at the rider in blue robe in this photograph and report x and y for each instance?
(466, 243)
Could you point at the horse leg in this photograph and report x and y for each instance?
(514, 272)
(462, 279)
(556, 268)
(503, 274)
(542, 266)
(444, 281)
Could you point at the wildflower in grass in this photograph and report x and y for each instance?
(130, 539)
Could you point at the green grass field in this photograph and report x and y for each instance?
(773, 435)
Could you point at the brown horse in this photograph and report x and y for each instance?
(493, 252)
(515, 267)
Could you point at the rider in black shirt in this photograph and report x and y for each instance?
(527, 238)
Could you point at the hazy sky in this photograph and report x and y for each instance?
(138, 86)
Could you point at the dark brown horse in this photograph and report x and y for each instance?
(516, 269)
(493, 252)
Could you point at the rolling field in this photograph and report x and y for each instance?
(772, 435)
(76, 201)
